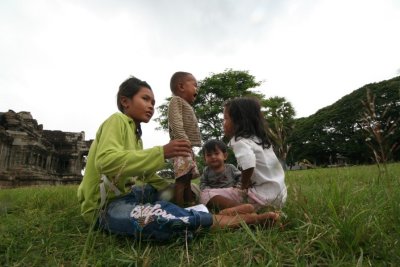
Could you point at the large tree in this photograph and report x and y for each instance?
(337, 130)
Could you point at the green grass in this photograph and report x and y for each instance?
(335, 217)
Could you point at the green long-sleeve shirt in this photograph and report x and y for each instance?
(118, 153)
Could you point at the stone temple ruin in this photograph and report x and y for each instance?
(30, 155)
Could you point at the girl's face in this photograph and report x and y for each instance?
(141, 106)
(215, 159)
(228, 124)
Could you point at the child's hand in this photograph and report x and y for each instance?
(177, 148)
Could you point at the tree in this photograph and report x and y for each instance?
(279, 114)
(337, 130)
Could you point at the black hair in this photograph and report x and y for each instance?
(129, 88)
(212, 145)
(247, 119)
(176, 78)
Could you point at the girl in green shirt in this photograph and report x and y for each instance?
(116, 156)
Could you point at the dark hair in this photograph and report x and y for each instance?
(247, 119)
(176, 78)
(129, 88)
(212, 145)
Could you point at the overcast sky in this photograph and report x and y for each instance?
(63, 60)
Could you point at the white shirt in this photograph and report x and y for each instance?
(268, 179)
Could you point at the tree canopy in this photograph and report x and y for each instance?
(337, 130)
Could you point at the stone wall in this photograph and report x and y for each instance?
(30, 155)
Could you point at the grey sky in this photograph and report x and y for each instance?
(64, 60)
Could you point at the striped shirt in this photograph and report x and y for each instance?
(182, 121)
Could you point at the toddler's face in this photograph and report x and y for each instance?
(189, 89)
(215, 159)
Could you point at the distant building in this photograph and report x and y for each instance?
(30, 155)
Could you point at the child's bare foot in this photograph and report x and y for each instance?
(241, 209)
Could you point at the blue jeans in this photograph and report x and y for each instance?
(140, 214)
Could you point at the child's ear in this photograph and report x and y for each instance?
(124, 101)
(181, 87)
(225, 156)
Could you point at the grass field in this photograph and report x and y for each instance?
(335, 217)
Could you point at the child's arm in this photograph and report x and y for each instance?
(118, 152)
(246, 178)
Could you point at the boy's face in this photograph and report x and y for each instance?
(188, 89)
(215, 159)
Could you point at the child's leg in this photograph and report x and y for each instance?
(178, 194)
(188, 194)
(180, 189)
(227, 221)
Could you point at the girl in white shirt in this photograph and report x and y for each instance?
(263, 178)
